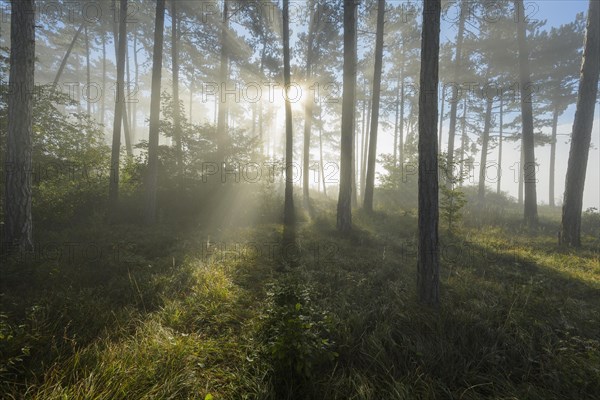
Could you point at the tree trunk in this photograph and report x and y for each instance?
(500, 139)
(521, 177)
(344, 209)
(428, 255)
(363, 169)
(530, 207)
(401, 139)
(370, 183)
(113, 188)
(397, 103)
(88, 73)
(308, 109)
(321, 164)
(136, 66)
(18, 231)
(454, 102)
(441, 119)
(463, 141)
(153, 136)
(176, 108)
(123, 100)
(63, 64)
(582, 130)
(288, 216)
(103, 101)
(553, 157)
(484, 150)
(223, 73)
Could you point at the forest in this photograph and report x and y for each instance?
(299, 199)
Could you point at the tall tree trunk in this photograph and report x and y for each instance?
(344, 209)
(153, 136)
(363, 169)
(192, 95)
(553, 157)
(428, 255)
(454, 102)
(484, 150)
(321, 164)
(18, 230)
(176, 105)
(530, 207)
(463, 141)
(370, 183)
(441, 119)
(88, 72)
(128, 90)
(136, 66)
(500, 139)
(401, 139)
(103, 101)
(582, 130)
(362, 146)
(223, 74)
(113, 188)
(521, 176)
(289, 218)
(63, 64)
(124, 100)
(397, 104)
(308, 107)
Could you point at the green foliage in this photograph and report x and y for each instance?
(590, 222)
(452, 200)
(298, 336)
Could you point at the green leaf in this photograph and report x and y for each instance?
(208, 397)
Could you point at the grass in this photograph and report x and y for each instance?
(181, 314)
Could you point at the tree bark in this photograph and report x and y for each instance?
(88, 72)
(428, 255)
(455, 97)
(500, 139)
(153, 135)
(289, 218)
(582, 130)
(113, 188)
(463, 141)
(344, 209)
(18, 230)
(529, 167)
(321, 164)
(176, 108)
(553, 157)
(308, 109)
(223, 74)
(103, 102)
(370, 182)
(484, 150)
(441, 119)
(127, 133)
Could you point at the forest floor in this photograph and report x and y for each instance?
(170, 314)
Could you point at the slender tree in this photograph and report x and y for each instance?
(428, 256)
(17, 205)
(288, 216)
(582, 130)
(457, 70)
(153, 136)
(308, 105)
(529, 166)
(370, 182)
(176, 108)
(223, 74)
(63, 63)
(113, 188)
(344, 206)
